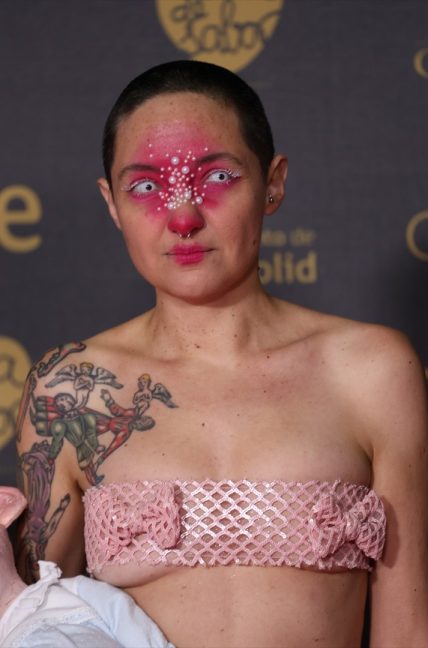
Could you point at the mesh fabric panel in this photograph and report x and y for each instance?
(319, 525)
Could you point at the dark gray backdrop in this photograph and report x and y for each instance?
(345, 84)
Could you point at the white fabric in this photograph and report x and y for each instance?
(76, 612)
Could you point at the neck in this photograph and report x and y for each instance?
(215, 331)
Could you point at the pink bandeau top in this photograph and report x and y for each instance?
(320, 525)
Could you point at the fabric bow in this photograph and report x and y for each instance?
(364, 524)
(155, 514)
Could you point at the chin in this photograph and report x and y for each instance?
(198, 293)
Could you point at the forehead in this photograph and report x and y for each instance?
(184, 118)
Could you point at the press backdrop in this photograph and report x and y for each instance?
(345, 85)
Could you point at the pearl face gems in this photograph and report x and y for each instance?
(181, 189)
(178, 177)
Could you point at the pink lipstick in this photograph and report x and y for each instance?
(187, 254)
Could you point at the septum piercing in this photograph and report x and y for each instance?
(185, 236)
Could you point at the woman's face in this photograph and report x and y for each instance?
(189, 196)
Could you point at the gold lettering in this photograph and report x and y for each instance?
(274, 238)
(306, 269)
(288, 267)
(284, 269)
(302, 236)
(410, 235)
(419, 62)
(29, 214)
(277, 267)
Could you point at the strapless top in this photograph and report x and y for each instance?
(318, 525)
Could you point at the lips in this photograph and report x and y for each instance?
(187, 254)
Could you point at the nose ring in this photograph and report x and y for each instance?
(185, 236)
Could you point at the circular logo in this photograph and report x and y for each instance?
(420, 62)
(230, 33)
(14, 367)
(416, 241)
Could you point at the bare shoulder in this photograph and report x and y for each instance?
(105, 348)
(381, 364)
(121, 336)
(380, 373)
(374, 352)
(373, 368)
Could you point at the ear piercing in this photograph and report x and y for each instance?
(271, 199)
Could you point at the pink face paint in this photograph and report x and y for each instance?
(179, 178)
(184, 223)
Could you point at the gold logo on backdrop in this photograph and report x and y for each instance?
(292, 258)
(230, 33)
(14, 367)
(414, 245)
(19, 205)
(420, 62)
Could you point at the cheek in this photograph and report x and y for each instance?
(139, 231)
(215, 194)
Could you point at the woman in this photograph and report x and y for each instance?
(235, 449)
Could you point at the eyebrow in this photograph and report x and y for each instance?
(222, 155)
(212, 157)
(137, 167)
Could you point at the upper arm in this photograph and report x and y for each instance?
(52, 525)
(394, 398)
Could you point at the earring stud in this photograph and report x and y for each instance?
(271, 199)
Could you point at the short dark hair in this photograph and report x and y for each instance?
(204, 78)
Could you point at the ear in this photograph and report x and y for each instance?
(106, 193)
(277, 175)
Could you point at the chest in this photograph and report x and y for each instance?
(259, 420)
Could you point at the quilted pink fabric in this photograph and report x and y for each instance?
(320, 525)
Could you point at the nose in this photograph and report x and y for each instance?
(185, 221)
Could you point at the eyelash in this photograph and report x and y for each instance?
(230, 175)
(131, 188)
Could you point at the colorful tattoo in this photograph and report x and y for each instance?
(59, 417)
(84, 380)
(126, 420)
(58, 354)
(42, 369)
(67, 417)
(39, 469)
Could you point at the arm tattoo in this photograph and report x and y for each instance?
(67, 417)
(42, 369)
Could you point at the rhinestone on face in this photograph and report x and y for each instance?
(180, 179)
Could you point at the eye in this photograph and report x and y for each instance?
(142, 187)
(221, 176)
